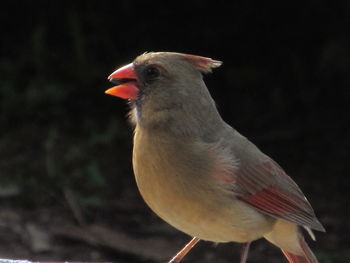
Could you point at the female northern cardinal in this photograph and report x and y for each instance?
(198, 173)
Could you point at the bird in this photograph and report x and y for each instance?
(198, 173)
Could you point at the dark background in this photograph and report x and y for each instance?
(65, 146)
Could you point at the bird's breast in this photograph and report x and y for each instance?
(176, 180)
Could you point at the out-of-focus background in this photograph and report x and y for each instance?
(67, 190)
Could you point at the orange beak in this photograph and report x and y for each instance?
(126, 81)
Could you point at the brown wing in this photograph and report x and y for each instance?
(269, 189)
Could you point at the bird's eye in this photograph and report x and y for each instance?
(151, 73)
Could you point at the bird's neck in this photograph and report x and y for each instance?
(198, 120)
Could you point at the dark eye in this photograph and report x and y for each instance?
(151, 73)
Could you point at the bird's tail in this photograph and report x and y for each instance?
(288, 237)
(307, 257)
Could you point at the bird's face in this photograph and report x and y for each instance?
(161, 82)
(147, 73)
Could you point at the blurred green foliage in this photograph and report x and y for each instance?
(50, 138)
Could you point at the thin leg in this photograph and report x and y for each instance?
(245, 250)
(183, 252)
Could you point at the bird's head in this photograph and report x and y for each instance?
(157, 83)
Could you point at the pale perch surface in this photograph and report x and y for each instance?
(27, 261)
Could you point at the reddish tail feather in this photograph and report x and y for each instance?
(308, 256)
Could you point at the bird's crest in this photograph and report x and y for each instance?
(203, 64)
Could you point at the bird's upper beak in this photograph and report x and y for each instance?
(126, 81)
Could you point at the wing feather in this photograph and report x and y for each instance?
(269, 189)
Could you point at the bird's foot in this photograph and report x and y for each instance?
(183, 252)
(244, 253)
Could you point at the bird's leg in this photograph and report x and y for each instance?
(183, 252)
(244, 253)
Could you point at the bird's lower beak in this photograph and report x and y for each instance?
(126, 81)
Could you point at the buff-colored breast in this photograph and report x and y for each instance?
(176, 180)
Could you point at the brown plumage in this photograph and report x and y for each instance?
(197, 172)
